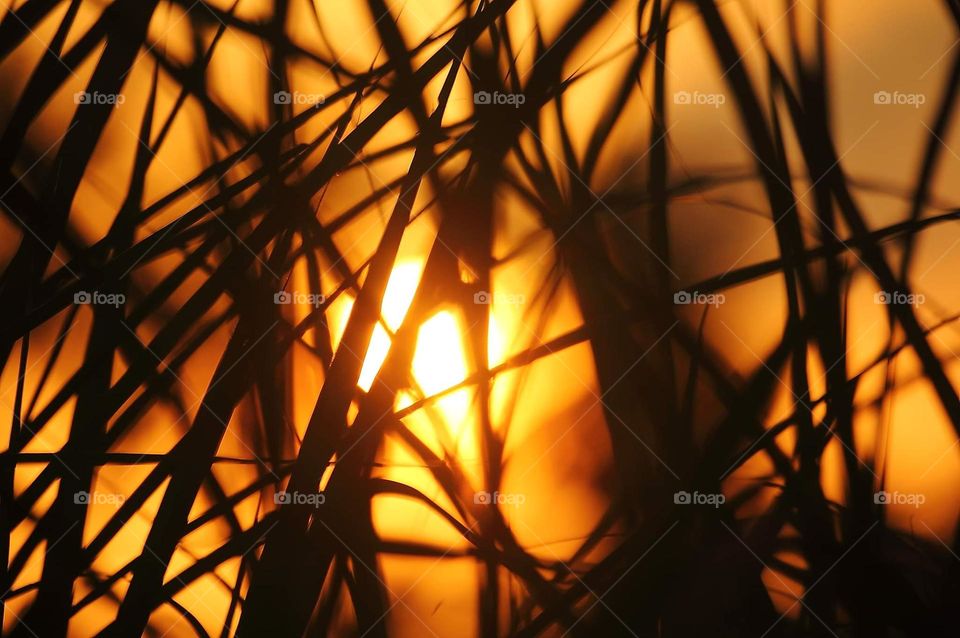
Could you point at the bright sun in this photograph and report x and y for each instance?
(439, 360)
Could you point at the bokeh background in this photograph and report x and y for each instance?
(697, 248)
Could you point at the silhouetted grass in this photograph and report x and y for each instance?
(200, 263)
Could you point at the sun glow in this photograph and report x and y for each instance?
(439, 362)
(376, 354)
(439, 359)
(397, 297)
